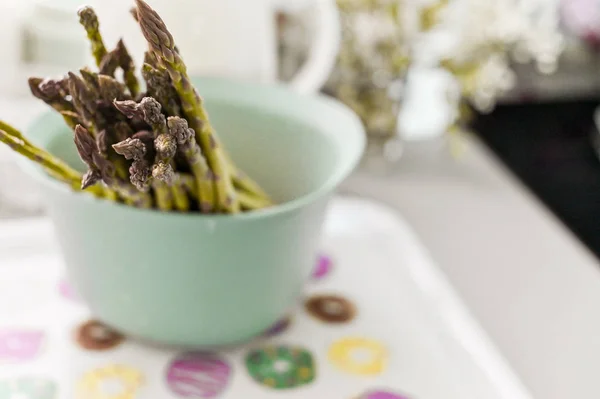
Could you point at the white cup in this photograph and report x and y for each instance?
(232, 38)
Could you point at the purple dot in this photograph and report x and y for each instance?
(382, 395)
(278, 327)
(198, 375)
(322, 268)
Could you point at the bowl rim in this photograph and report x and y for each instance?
(348, 161)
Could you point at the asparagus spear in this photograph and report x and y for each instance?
(162, 44)
(53, 93)
(126, 64)
(89, 20)
(193, 154)
(109, 64)
(84, 99)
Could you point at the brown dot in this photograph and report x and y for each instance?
(330, 308)
(97, 336)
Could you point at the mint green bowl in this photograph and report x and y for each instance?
(197, 280)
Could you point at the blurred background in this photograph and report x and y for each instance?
(522, 75)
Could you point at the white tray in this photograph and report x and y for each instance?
(432, 348)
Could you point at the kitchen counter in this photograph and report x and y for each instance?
(526, 278)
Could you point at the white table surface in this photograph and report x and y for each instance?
(531, 284)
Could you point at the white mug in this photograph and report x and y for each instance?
(232, 38)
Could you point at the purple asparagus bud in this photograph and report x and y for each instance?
(164, 172)
(91, 177)
(130, 148)
(129, 108)
(166, 146)
(86, 145)
(52, 92)
(153, 115)
(34, 86)
(140, 174)
(155, 31)
(178, 127)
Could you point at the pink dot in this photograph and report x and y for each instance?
(20, 345)
(66, 290)
(322, 268)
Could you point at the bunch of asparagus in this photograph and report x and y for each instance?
(152, 149)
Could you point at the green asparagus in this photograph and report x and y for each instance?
(162, 44)
(89, 20)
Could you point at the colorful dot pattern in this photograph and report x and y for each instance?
(270, 362)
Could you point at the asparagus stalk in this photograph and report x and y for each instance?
(89, 20)
(251, 202)
(164, 196)
(162, 44)
(53, 165)
(193, 154)
(180, 198)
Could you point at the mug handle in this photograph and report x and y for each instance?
(322, 56)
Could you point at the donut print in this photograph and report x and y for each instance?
(28, 388)
(110, 382)
(279, 327)
(322, 268)
(358, 356)
(94, 335)
(20, 345)
(330, 308)
(281, 367)
(380, 394)
(198, 375)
